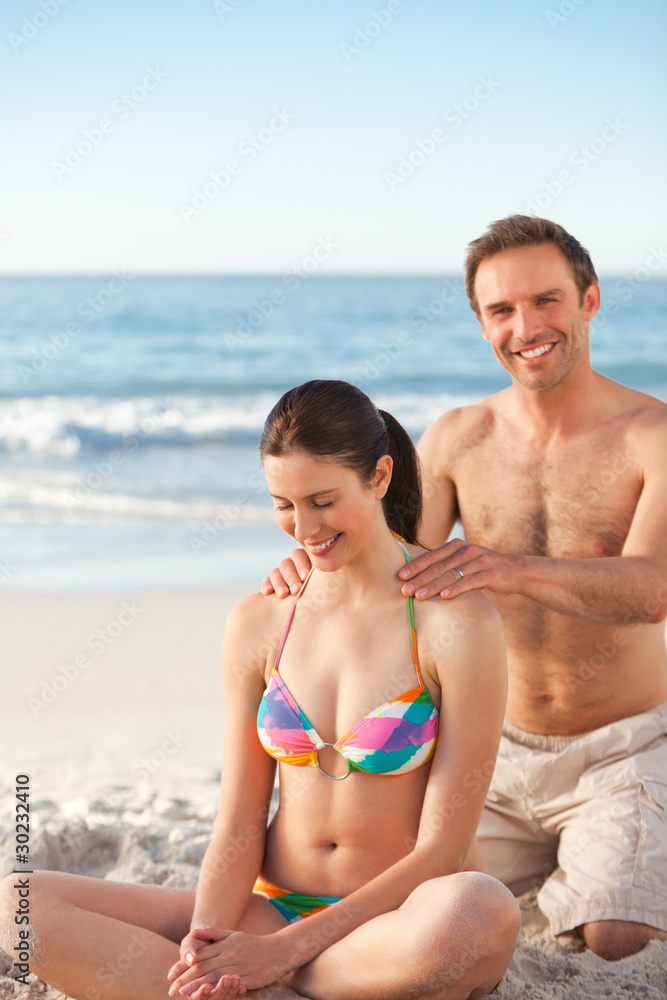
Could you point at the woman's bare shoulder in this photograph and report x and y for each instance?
(465, 616)
(258, 611)
(253, 630)
(459, 634)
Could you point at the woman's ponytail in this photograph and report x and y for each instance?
(402, 503)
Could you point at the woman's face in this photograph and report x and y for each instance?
(325, 506)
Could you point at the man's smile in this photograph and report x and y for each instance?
(535, 352)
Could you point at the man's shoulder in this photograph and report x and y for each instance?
(649, 411)
(647, 432)
(632, 398)
(642, 414)
(462, 427)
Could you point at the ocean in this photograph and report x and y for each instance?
(131, 406)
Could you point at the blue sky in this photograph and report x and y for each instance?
(394, 131)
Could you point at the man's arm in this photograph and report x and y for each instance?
(617, 590)
(439, 502)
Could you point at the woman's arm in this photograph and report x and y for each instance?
(235, 855)
(465, 649)
(234, 858)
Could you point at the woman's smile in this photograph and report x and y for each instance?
(321, 548)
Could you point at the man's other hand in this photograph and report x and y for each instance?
(289, 576)
(458, 567)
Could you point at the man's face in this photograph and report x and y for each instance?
(530, 313)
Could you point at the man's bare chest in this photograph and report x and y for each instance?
(576, 504)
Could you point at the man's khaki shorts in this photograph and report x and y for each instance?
(588, 814)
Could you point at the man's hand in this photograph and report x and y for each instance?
(289, 576)
(437, 572)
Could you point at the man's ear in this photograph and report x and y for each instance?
(383, 471)
(591, 304)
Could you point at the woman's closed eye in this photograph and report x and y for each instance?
(319, 506)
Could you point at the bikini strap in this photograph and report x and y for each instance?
(411, 616)
(288, 624)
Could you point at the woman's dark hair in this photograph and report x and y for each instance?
(336, 420)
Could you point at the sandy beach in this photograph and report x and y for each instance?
(115, 712)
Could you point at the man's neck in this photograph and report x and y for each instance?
(563, 411)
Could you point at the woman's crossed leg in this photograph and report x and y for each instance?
(452, 939)
(95, 939)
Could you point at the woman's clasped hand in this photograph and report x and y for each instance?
(217, 963)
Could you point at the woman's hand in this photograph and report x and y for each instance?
(226, 963)
(190, 946)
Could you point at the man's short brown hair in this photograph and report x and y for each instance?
(517, 231)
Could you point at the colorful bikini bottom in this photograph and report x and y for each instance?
(293, 905)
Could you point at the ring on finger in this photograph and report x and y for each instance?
(457, 570)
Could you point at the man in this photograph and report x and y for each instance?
(559, 482)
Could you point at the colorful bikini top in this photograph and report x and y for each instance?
(395, 738)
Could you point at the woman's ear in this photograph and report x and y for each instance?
(383, 471)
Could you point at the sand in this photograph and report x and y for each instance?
(115, 713)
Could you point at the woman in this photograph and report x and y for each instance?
(385, 719)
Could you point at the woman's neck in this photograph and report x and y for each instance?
(374, 567)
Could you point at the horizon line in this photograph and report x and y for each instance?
(276, 274)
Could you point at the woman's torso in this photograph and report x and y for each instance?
(341, 661)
